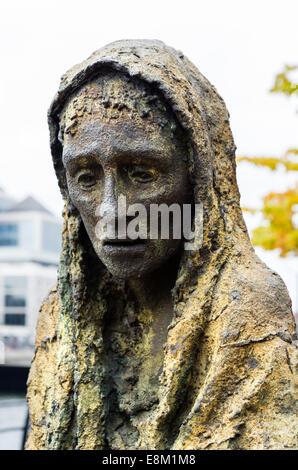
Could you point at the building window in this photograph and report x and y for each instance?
(15, 291)
(15, 319)
(9, 234)
(15, 300)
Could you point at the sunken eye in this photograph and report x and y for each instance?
(141, 175)
(87, 179)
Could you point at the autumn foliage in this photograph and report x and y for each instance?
(279, 228)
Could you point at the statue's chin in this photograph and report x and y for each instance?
(128, 275)
(127, 270)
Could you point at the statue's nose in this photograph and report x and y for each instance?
(108, 204)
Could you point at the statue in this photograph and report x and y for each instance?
(144, 344)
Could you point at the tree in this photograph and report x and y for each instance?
(279, 228)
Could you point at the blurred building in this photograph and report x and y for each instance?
(30, 238)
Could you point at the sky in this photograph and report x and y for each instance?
(239, 46)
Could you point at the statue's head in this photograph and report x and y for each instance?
(137, 120)
(121, 139)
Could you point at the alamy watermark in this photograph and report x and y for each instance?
(162, 222)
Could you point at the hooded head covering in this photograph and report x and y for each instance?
(227, 366)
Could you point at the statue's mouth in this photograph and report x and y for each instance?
(124, 245)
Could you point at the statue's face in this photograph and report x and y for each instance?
(108, 158)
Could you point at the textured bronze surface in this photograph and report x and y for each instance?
(150, 346)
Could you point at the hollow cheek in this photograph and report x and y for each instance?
(175, 191)
(85, 202)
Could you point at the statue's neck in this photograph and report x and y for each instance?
(154, 291)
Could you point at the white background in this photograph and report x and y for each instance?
(238, 45)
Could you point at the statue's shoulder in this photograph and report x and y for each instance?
(251, 297)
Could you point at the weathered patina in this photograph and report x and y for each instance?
(174, 349)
